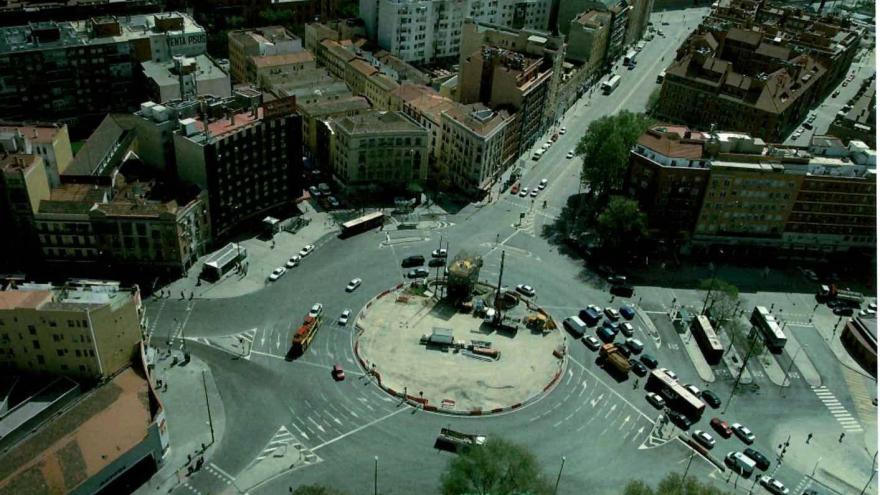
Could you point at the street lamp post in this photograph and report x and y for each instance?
(376, 475)
(873, 473)
(559, 476)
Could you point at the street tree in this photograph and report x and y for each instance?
(317, 490)
(621, 225)
(721, 297)
(498, 467)
(673, 484)
(605, 150)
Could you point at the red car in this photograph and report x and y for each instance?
(338, 373)
(515, 189)
(721, 427)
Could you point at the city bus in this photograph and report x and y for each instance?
(362, 223)
(709, 342)
(764, 321)
(676, 396)
(610, 85)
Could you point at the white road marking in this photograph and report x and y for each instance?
(625, 421)
(224, 473)
(611, 389)
(352, 432)
(596, 400)
(321, 428)
(613, 407)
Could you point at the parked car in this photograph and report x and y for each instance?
(704, 439)
(655, 400)
(570, 154)
(333, 202)
(693, 389)
(293, 261)
(306, 250)
(526, 290)
(591, 342)
(743, 433)
(542, 184)
(761, 461)
(669, 373)
(721, 427)
(354, 284)
(616, 279)
(612, 314)
(649, 361)
(740, 464)
(627, 312)
(606, 334)
(277, 273)
(439, 253)
(562, 130)
(634, 345)
(435, 262)
(623, 290)
(418, 273)
(773, 485)
(314, 192)
(680, 420)
(411, 261)
(627, 329)
(711, 398)
(624, 351)
(534, 193)
(524, 192)
(316, 310)
(843, 311)
(338, 373)
(343, 318)
(638, 368)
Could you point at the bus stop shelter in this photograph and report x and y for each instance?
(222, 261)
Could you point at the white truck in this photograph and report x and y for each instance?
(459, 440)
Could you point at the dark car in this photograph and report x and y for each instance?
(627, 312)
(605, 334)
(411, 261)
(680, 420)
(649, 361)
(435, 262)
(418, 273)
(624, 350)
(638, 368)
(839, 311)
(623, 290)
(761, 462)
(611, 325)
(711, 399)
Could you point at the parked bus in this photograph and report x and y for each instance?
(709, 342)
(610, 85)
(661, 76)
(676, 396)
(764, 321)
(363, 223)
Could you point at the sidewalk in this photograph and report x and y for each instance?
(189, 429)
(262, 259)
(733, 360)
(696, 354)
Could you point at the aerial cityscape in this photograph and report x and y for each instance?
(453, 247)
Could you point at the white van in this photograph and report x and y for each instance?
(575, 325)
(740, 464)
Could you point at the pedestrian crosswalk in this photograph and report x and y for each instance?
(846, 420)
(279, 442)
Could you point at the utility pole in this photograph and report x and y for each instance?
(208, 406)
(498, 290)
(706, 300)
(688, 468)
(873, 472)
(376, 475)
(743, 368)
(788, 370)
(559, 476)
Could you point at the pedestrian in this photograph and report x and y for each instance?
(809, 437)
(840, 440)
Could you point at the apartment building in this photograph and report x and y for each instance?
(336, 30)
(858, 119)
(384, 149)
(630, 17)
(741, 81)
(263, 70)
(78, 69)
(245, 44)
(425, 106)
(319, 111)
(247, 157)
(23, 185)
(185, 78)
(731, 193)
(88, 331)
(50, 141)
(588, 39)
(478, 145)
(429, 30)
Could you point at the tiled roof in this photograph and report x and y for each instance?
(36, 133)
(12, 299)
(285, 59)
(670, 144)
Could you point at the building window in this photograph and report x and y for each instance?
(36, 344)
(41, 359)
(32, 330)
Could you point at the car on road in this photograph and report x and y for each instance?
(435, 262)
(743, 433)
(721, 427)
(338, 373)
(627, 329)
(680, 420)
(843, 311)
(704, 439)
(606, 334)
(562, 130)
(526, 290)
(761, 461)
(439, 253)
(845, 84)
(591, 342)
(612, 314)
(835, 94)
(773, 485)
(293, 261)
(354, 284)
(635, 345)
(655, 400)
(693, 389)
(524, 192)
(316, 310)
(534, 193)
(669, 373)
(542, 184)
(333, 202)
(638, 368)
(649, 361)
(514, 189)
(709, 397)
(411, 261)
(314, 192)
(418, 273)
(570, 154)
(277, 273)
(343, 318)
(627, 312)
(306, 250)
(624, 351)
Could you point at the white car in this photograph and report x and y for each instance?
(439, 253)
(314, 192)
(354, 284)
(612, 314)
(743, 433)
(524, 192)
(562, 130)
(704, 439)
(293, 261)
(277, 273)
(656, 400)
(343, 318)
(693, 389)
(570, 154)
(543, 184)
(669, 373)
(534, 193)
(595, 308)
(546, 146)
(526, 290)
(333, 202)
(316, 310)
(305, 251)
(773, 485)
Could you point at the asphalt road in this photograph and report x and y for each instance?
(602, 427)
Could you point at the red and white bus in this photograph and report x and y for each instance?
(675, 395)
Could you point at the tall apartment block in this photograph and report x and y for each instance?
(246, 44)
(51, 142)
(68, 70)
(88, 330)
(429, 30)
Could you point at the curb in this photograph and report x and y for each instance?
(421, 402)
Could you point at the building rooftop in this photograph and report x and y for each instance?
(220, 127)
(17, 162)
(671, 144)
(378, 122)
(364, 67)
(81, 441)
(38, 133)
(479, 118)
(426, 100)
(333, 107)
(163, 73)
(266, 61)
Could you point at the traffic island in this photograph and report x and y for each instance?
(449, 357)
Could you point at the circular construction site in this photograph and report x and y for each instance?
(459, 352)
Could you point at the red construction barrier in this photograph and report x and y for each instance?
(369, 304)
(426, 407)
(552, 382)
(391, 391)
(516, 406)
(382, 294)
(420, 400)
(496, 411)
(476, 412)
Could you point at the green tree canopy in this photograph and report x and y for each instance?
(605, 149)
(317, 490)
(672, 485)
(621, 224)
(497, 468)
